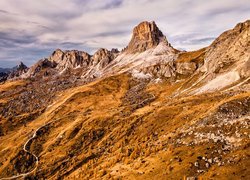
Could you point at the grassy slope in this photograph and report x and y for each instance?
(192, 56)
(99, 132)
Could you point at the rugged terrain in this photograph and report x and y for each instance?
(147, 112)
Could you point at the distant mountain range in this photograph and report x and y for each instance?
(15, 72)
(5, 70)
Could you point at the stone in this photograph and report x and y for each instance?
(196, 164)
(207, 165)
(185, 68)
(210, 161)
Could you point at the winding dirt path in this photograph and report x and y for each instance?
(26, 150)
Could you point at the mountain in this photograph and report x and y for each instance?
(147, 40)
(11, 73)
(149, 111)
(145, 36)
(3, 76)
(18, 70)
(228, 58)
(4, 70)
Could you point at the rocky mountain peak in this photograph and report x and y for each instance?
(145, 36)
(18, 70)
(69, 59)
(21, 66)
(104, 56)
(57, 55)
(243, 26)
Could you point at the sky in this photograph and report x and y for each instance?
(32, 29)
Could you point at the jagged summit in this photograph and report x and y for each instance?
(103, 56)
(21, 65)
(18, 70)
(70, 59)
(145, 36)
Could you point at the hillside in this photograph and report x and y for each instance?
(147, 112)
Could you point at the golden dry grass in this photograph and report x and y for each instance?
(9, 85)
(96, 138)
(192, 56)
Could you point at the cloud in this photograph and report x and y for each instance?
(111, 33)
(113, 4)
(16, 39)
(4, 12)
(31, 30)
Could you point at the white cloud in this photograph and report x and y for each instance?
(91, 24)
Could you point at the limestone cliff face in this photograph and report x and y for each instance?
(70, 59)
(145, 36)
(104, 57)
(230, 50)
(79, 59)
(39, 66)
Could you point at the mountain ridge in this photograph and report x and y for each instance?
(158, 113)
(145, 36)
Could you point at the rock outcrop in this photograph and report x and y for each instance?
(12, 73)
(70, 59)
(227, 59)
(145, 36)
(39, 66)
(186, 68)
(188, 62)
(18, 70)
(72, 62)
(230, 50)
(104, 57)
(161, 70)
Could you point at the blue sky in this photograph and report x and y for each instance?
(32, 29)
